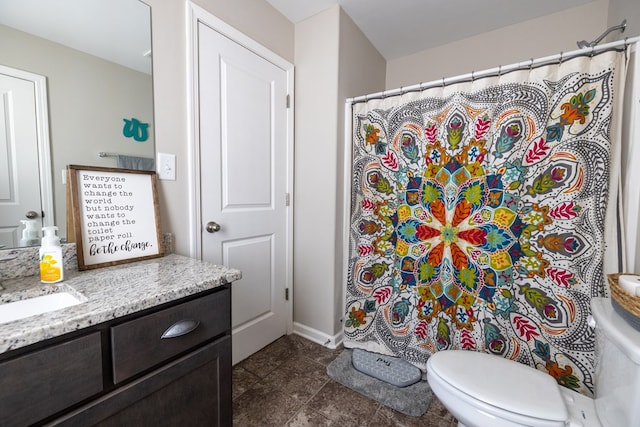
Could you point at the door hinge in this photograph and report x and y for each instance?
(288, 101)
(286, 294)
(287, 199)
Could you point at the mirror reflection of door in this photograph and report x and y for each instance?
(24, 154)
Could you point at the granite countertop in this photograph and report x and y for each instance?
(108, 293)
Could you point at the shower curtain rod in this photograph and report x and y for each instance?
(494, 71)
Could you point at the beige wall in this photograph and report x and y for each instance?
(536, 38)
(258, 20)
(619, 10)
(316, 169)
(334, 61)
(88, 100)
(168, 32)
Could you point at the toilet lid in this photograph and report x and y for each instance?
(508, 385)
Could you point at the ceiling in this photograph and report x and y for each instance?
(399, 28)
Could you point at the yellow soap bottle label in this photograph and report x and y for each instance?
(50, 269)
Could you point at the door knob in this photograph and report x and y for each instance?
(31, 214)
(213, 227)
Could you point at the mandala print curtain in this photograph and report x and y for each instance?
(483, 217)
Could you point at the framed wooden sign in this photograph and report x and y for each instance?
(115, 215)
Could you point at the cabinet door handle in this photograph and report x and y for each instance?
(181, 327)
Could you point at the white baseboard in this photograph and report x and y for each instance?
(317, 336)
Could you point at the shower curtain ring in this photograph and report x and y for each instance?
(473, 79)
(625, 48)
(531, 64)
(593, 50)
(560, 60)
(500, 70)
(442, 81)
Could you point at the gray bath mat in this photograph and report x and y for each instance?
(411, 400)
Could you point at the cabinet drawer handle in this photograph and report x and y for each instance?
(181, 327)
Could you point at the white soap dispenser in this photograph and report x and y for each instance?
(30, 234)
(51, 263)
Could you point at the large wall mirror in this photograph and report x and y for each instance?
(95, 58)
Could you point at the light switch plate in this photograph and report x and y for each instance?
(166, 166)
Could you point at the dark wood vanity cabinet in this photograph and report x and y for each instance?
(192, 391)
(40, 383)
(143, 379)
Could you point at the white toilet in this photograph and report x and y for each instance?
(485, 390)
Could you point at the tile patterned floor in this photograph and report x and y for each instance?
(286, 384)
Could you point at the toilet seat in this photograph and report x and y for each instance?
(490, 384)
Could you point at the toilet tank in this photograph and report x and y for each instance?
(617, 367)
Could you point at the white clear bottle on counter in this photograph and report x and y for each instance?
(51, 263)
(30, 234)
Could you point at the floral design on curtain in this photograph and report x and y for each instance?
(480, 217)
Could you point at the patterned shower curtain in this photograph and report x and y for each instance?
(483, 217)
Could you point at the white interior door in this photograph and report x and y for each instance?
(243, 188)
(24, 153)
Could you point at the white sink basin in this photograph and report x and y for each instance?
(37, 305)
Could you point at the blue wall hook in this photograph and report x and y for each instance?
(135, 129)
